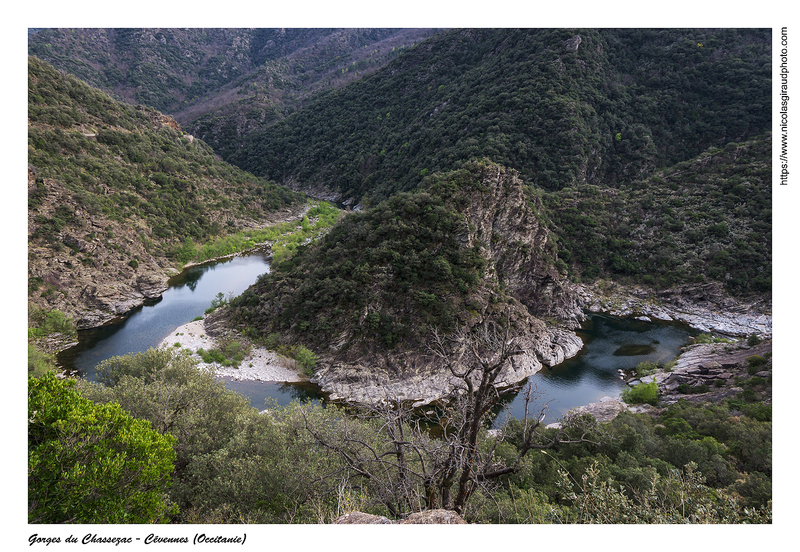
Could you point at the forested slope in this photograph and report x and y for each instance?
(114, 193)
(708, 218)
(220, 84)
(563, 107)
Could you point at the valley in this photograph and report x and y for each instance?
(496, 191)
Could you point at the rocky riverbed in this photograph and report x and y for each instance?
(705, 307)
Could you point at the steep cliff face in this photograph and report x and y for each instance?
(505, 222)
(487, 262)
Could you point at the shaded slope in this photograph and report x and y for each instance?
(563, 107)
(705, 219)
(220, 83)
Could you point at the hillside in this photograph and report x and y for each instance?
(116, 192)
(464, 250)
(220, 84)
(563, 107)
(705, 219)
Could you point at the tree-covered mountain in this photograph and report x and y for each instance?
(563, 107)
(707, 218)
(220, 83)
(114, 193)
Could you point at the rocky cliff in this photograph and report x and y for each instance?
(376, 349)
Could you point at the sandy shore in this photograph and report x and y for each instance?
(259, 365)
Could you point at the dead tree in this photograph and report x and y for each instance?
(410, 470)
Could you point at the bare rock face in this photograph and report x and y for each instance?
(505, 223)
(571, 45)
(705, 307)
(709, 371)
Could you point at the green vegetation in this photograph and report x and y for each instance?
(284, 237)
(626, 102)
(130, 171)
(230, 353)
(271, 71)
(233, 465)
(641, 393)
(709, 218)
(39, 362)
(42, 322)
(90, 463)
(401, 261)
(647, 154)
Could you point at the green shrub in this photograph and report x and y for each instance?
(645, 368)
(305, 358)
(754, 363)
(93, 463)
(643, 393)
(229, 353)
(753, 340)
(49, 322)
(218, 301)
(39, 362)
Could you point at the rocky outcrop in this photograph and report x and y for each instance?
(705, 307)
(419, 379)
(711, 372)
(504, 221)
(501, 223)
(571, 44)
(427, 517)
(703, 372)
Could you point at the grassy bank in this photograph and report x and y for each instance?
(284, 237)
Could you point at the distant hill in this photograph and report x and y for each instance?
(562, 106)
(220, 83)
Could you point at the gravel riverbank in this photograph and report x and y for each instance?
(259, 365)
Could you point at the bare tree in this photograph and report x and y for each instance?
(408, 469)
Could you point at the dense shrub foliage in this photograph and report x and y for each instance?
(90, 463)
(709, 218)
(625, 102)
(390, 271)
(692, 463)
(125, 163)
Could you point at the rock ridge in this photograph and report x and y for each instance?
(705, 307)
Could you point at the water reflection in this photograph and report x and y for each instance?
(610, 343)
(188, 296)
(593, 373)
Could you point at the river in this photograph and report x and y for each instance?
(189, 295)
(610, 343)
